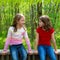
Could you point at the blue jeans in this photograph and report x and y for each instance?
(15, 50)
(46, 50)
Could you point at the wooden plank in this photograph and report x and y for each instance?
(2, 57)
(30, 57)
(7, 57)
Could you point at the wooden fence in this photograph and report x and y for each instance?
(30, 57)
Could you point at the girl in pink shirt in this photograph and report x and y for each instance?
(14, 38)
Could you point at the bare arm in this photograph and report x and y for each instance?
(54, 41)
(36, 41)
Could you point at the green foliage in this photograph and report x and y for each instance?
(57, 36)
(32, 9)
(52, 9)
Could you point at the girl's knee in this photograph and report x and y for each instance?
(24, 55)
(53, 58)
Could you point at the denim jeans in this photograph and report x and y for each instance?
(18, 49)
(46, 50)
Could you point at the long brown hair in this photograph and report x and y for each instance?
(47, 23)
(17, 17)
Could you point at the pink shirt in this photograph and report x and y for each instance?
(15, 38)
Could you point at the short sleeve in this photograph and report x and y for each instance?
(52, 30)
(37, 30)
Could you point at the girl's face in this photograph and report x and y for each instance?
(41, 24)
(21, 21)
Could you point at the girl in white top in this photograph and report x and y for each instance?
(14, 38)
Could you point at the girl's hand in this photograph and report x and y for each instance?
(30, 52)
(4, 52)
(56, 52)
(35, 52)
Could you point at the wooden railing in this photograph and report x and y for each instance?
(30, 57)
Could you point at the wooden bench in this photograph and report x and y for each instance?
(30, 57)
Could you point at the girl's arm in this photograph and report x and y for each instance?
(36, 41)
(7, 40)
(27, 41)
(6, 44)
(54, 41)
